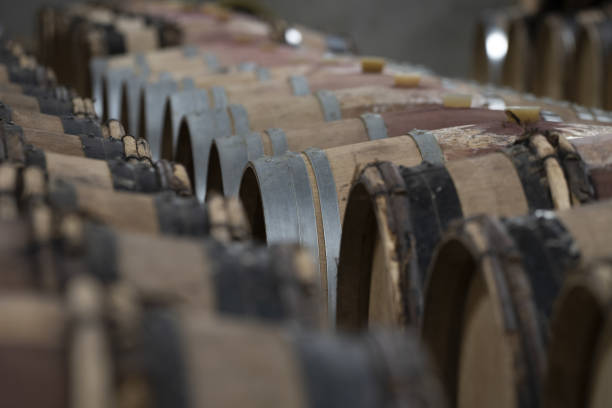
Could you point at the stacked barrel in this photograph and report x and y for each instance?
(235, 220)
(552, 49)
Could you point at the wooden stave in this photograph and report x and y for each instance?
(470, 238)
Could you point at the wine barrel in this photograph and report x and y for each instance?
(579, 350)
(229, 155)
(48, 105)
(70, 124)
(490, 44)
(159, 213)
(89, 39)
(180, 104)
(517, 69)
(189, 357)
(195, 61)
(241, 279)
(198, 130)
(17, 138)
(114, 144)
(395, 216)
(57, 92)
(40, 76)
(153, 96)
(301, 197)
(109, 174)
(593, 72)
(490, 294)
(555, 46)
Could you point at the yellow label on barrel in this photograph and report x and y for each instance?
(372, 65)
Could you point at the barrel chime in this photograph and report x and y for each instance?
(206, 206)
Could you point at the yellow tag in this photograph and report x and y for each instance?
(523, 114)
(457, 100)
(372, 65)
(407, 80)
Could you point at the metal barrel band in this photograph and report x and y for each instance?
(299, 85)
(100, 148)
(428, 146)
(182, 104)
(375, 126)
(263, 74)
(330, 216)
(219, 97)
(180, 216)
(97, 67)
(190, 51)
(211, 62)
(115, 78)
(155, 102)
(278, 140)
(329, 105)
(240, 119)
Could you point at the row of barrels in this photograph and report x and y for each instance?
(71, 37)
(559, 55)
(384, 181)
(118, 287)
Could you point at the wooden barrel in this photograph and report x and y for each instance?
(108, 174)
(17, 138)
(229, 155)
(191, 60)
(241, 279)
(158, 213)
(302, 197)
(490, 44)
(395, 216)
(578, 371)
(184, 356)
(70, 124)
(555, 46)
(517, 70)
(593, 76)
(153, 96)
(180, 104)
(490, 294)
(198, 130)
(11, 73)
(48, 104)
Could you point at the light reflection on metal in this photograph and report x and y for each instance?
(496, 45)
(293, 37)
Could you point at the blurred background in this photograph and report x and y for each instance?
(435, 33)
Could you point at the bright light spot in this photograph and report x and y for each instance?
(497, 45)
(293, 37)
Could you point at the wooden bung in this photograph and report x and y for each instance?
(490, 294)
